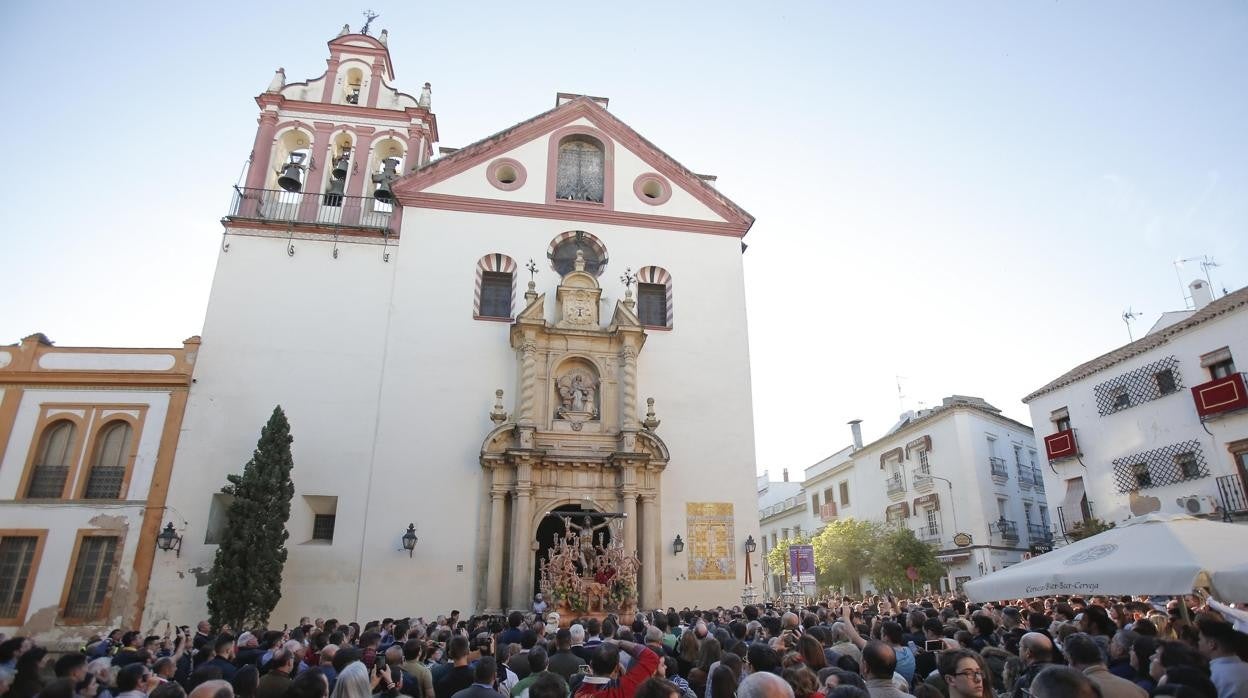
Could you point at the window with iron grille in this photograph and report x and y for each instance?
(47, 478)
(323, 527)
(580, 171)
(652, 304)
(1160, 467)
(17, 556)
(496, 294)
(1146, 383)
(108, 466)
(93, 570)
(1165, 382)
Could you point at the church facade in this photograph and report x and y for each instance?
(545, 324)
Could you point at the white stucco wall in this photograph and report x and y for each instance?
(1167, 420)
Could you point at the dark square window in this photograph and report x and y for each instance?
(1143, 478)
(323, 527)
(1121, 398)
(1189, 467)
(652, 304)
(1165, 382)
(495, 294)
(844, 494)
(1063, 424)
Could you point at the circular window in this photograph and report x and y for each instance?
(506, 174)
(652, 189)
(562, 252)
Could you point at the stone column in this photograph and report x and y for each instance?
(528, 383)
(651, 555)
(628, 402)
(521, 542)
(628, 505)
(494, 574)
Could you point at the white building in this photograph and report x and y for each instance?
(87, 438)
(960, 468)
(782, 515)
(379, 296)
(1160, 424)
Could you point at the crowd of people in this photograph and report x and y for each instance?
(877, 647)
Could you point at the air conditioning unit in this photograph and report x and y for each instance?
(1199, 504)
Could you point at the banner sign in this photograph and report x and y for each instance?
(802, 563)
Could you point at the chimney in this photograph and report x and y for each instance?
(1202, 295)
(786, 474)
(856, 427)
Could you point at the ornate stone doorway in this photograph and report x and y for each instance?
(552, 526)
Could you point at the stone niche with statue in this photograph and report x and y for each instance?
(573, 438)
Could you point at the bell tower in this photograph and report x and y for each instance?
(328, 149)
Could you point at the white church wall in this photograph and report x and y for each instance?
(306, 332)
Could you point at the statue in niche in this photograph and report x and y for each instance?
(578, 392)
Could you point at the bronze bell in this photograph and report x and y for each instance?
(384, 179)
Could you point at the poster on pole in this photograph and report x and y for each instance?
(802, 563)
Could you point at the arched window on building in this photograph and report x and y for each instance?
(108, 463)
(495, 287)
(580, 170)
(563, 249)
(654, 297)
(52, 461)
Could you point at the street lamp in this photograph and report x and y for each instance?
(678, 545)
(750, 545)
(409, 539)
(169, 540)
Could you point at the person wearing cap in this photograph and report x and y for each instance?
(1218, 640)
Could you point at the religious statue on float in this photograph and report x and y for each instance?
(587, 571)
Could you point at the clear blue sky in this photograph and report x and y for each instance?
(967, 195)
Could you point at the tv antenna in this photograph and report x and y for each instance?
(1206, 263)
(901, 405)
(1129, 316)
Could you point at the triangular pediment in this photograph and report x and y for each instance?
(467, 179)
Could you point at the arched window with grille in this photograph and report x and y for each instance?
(654, 297)
(495, 287)
(581, 169)
(50, 470)
(108, 463)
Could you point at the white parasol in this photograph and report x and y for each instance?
(1154, 554)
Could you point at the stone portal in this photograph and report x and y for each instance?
(574, 438)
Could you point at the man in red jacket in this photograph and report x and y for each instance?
(608, 679)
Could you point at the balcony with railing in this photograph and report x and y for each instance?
(921, 478)
(827, 512)
(1008, 530)
(1221, 396)
(895, 484)
(328, 210)
(928, 533)
(1025, 480)
(1233, 495)
(782, 507)
(999, 472)
(1039, 534)
(1037, 478)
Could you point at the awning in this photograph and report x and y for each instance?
(1072, 503)
(923, 443)
(902, 508)
(1215, 357)
(928, 500)
(888, 455)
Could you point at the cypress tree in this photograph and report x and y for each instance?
(247, 571)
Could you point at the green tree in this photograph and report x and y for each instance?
(844, 550)
(778, 557)
(897, 550)
(247, 571)
(1088, 527)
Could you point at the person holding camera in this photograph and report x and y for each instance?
(608, 678)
